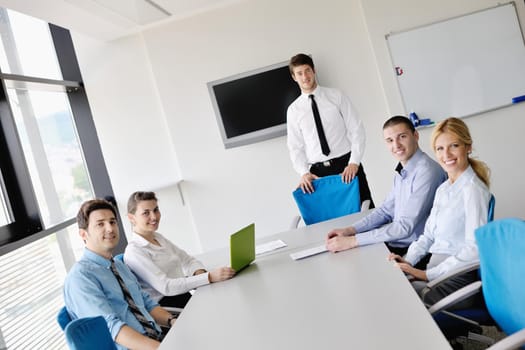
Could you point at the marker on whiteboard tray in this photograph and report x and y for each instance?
(414, 119)
(518, 99)
(426, 121)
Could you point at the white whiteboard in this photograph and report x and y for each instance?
(461, 66)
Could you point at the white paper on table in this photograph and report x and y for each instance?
(269, 246)
(309, 252)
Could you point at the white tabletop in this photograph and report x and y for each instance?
(350, 300)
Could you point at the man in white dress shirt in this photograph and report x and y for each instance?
(332, 144)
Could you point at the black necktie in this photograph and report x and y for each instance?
(151, 331)
(319, 127)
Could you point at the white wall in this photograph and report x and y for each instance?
(228, 189)
(154, 89)
(132, 128)
(497, 134)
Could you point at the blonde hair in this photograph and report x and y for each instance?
(460, 129)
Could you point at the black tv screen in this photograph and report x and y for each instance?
(251, 106)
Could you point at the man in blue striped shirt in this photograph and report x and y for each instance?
(92, 289)
(401, 218)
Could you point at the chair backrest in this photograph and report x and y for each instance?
(492, 205)
(89, 333)
(331, 198)
(501, 245)
(63, 318)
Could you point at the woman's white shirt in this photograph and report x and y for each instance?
(163, 270)
(459, 209)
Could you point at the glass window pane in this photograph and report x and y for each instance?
(26, 46)
(53, 155)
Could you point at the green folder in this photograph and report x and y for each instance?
(242, 248)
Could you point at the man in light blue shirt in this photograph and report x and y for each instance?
(400, 220)
(92, 289)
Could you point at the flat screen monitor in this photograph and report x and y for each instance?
(251, 106)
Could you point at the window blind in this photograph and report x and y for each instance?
(31, 280)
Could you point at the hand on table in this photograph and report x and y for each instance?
(221, 274)
(337, 243)
(407, 268)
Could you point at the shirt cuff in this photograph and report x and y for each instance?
(432, 273)
(411, 261)
(354, 159)
(359, 226)
(365, 238)
(198, 280)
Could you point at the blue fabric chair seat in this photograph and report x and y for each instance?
(501, 247)
(63, 318)
(331, 199)
(89, 333)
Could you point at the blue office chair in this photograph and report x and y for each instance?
(492, 207)
(119, 257)
(502, 263)
(89, 333)
(85, 333)
(331, 199)
(501, 245)
(63, 317)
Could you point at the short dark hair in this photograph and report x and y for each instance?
(137, 197)
(399, 119)
(90, 206)
(299, 60)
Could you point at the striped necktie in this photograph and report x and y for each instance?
(151, 331)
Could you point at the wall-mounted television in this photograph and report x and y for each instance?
(251, 106)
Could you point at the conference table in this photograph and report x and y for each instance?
(355, 299)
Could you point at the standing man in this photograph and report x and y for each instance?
(97, 285)
(325, 135)
(400, 220)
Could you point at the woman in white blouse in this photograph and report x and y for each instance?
(460, 206)
(164, 270)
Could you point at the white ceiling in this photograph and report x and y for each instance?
(111, 19)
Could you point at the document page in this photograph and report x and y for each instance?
(269, 246)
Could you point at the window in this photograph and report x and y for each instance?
(52, 152)
(50, 162)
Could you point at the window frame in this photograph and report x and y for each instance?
(27, 224)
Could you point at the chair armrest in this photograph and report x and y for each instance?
(457, 296)
(459, 271)
(465, 320)
(513, 341)
(295, 222)
(365, 205)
